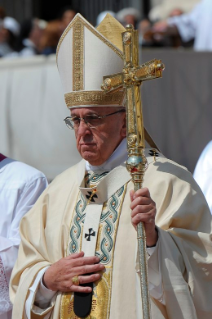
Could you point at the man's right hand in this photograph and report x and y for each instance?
(58, 277)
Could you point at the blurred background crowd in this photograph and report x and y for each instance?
(32, 36)
(161, 23)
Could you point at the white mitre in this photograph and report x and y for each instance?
(84, 55)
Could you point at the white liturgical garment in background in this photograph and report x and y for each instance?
(197, 24)
(203, 173)
(20, 187)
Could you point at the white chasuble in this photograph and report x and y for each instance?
(184, 223)
(93, 231)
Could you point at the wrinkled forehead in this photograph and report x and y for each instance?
(94, 110)
(87, 110)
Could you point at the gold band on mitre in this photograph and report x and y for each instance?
(94, 98)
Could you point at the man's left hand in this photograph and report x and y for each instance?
(144, 210)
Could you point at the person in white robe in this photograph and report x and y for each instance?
(20, 187)
(78, 254)
(162, 9)
(203, 173)
(195, 25)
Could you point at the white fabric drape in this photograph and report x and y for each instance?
(20, 187)
(203, 173)
(32, 110)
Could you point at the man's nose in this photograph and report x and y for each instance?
(83, 127)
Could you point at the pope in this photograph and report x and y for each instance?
(79, 257)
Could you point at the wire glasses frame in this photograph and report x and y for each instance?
(73, 122)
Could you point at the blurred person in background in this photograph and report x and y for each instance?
(203, 173)
(9, 31)
(66, 15)
(30, 36)
(2, 13)
(196, 25)
(50, 37)
(20, 187)
(128, 16)
(54, 30)
(163, 10)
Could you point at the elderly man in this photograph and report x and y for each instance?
(78, 257)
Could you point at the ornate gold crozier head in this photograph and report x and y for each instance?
(84, 55)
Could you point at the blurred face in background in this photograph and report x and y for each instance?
(4, 33)
(37, 32)
(129, 19)
(175, 12)
(51, 35)
(67, 18)
(6, 36)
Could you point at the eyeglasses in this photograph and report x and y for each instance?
(73, 122)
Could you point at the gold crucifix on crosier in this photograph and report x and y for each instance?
(131, 79)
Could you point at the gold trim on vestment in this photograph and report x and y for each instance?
(98, 242)
(81, 238)
(78, 56)
(81, 98)
(101, 298)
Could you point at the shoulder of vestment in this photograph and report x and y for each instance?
(67, 178)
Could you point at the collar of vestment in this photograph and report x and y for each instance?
(95, 197)
(4, 161)
(106, 186)
(2, 157)
(118, 157)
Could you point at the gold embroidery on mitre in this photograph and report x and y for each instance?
(74, 99)
(112, 30)
(79, 19)
(78, 56)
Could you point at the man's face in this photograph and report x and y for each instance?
(97, 144)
